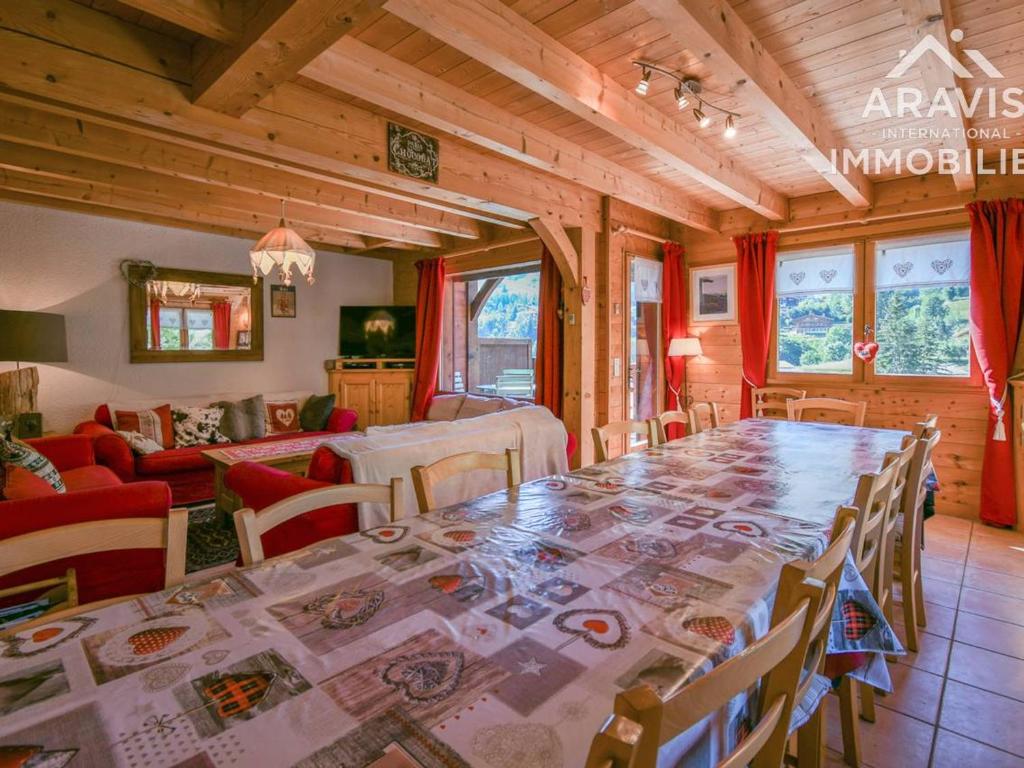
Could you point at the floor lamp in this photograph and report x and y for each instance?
(682, 348)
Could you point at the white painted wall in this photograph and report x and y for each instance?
(57, 261)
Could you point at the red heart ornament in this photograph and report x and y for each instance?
(866, 350)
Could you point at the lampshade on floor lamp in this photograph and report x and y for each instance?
(687, 346)
(27, 337)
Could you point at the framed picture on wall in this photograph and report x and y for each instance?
(282, 301)
(713, 294)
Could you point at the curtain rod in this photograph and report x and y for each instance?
(622, 229)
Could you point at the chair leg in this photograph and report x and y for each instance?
(918, 579)
(848, 718)
(867, 703)
(811, 740)
(910, 606)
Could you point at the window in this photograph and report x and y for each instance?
(186, 328)
(815, 310)
(922, 307)
(490, 333)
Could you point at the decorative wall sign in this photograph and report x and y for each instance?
(412, 154)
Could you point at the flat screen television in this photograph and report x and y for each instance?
(372, 332)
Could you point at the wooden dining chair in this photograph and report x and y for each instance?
(883, 591)
(700, 411)
(828, 569)
(857, 411)
(658, 433)
(603, 434)
(770, 402)
(643, 721)
(907, 563)
(46, 546)
(251, 525)
(929, 424)
(426, 479)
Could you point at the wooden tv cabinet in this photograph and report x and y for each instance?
(380, 391)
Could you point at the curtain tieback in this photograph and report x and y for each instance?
(999, 407)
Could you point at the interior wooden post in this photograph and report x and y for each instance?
(579, 364)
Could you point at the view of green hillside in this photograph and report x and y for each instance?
(511, 311)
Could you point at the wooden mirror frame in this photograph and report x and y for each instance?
(138, 307)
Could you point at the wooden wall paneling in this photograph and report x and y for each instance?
(604, 298)
(580, 328)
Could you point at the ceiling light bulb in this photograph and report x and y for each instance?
(681, 99)
(730, 128)
(644, 84)
(702, 119)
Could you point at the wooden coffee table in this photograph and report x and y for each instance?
(290, 455)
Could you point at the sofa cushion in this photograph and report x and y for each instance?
(445, 407)
(315, 412)
(197, 426)
(140, 444)
(282, 416)
(14, 453)
(154, 423)
(89, 477)
(474, 405)
(22, 484)
(244, 419)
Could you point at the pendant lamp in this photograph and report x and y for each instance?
(282, 247)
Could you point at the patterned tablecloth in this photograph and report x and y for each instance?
(494, 633)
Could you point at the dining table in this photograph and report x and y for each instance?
(496, 632)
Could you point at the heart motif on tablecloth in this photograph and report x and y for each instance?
(351, 609)
(216, 657)
(903, 268)
(857, 620)
(574, 520)
(717, 628)
(746, 528)
(425, 677)
(828, 275)
(150, 641)
(235, 694)
(797, 277)
(385, 534)
(599, 628)
(555, 485)
(446, 582)
(942, 266)
(652, 547)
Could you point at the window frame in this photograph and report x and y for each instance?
(864, 312)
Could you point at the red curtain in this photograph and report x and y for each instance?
(755, 299)
(997, 284)
(548, 366)
(154, 323)
(429, 317)
(221, 325)
(673, 326)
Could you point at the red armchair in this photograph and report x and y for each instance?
(188, 473)
(94, 493)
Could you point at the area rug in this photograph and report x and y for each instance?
(211, 539)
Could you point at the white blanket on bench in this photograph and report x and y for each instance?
(387, 452)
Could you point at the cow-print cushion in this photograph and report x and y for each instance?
(197, 426)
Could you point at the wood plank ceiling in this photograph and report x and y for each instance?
(209, 113)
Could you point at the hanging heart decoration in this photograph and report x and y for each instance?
(866, 350)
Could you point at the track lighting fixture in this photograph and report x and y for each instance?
(645, 83)
(681, 99)
(700, 116)
(730, 127)
(687, 89)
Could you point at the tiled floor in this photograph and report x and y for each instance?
(959, 701)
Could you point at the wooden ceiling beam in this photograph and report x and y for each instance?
(195, 195)
(497, 36)
(281, 38)
(215, 19)
(46, 130)
(557, 241)
(294, 129)
(717, 36)
(935, 17)
(362, 71)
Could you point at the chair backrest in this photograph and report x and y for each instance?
(603, 434)
(658, 434)
(930, 423)
(871, 504)
(45, 546)
(698, 412)
(770, 402)
(251, 525)
(520, 383)
(912, 503)
(776, 660)
(426, 479)
(855, 410)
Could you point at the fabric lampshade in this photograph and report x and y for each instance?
(685, 347)
(283, 247)
(32, 337)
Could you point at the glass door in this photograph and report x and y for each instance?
(644, 339)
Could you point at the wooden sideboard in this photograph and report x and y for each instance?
(380, 391)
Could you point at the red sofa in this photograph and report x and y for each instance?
(189, 475)
(93, 493)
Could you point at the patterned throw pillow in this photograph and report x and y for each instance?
(154, 423)
(140, 444)
(282, 417)
(244, 420)
(197, 426)
(18, 454)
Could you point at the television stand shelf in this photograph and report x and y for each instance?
(379, 390)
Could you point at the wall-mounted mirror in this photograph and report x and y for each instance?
(181, 315)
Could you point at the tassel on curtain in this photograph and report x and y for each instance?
(755, 289)
(673, 326)
(997, 294)
(429, 317)
(548, 365)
